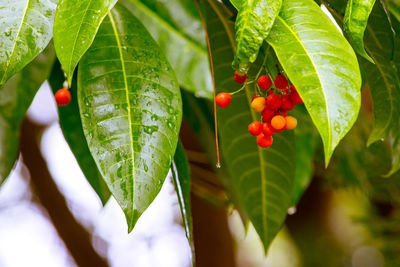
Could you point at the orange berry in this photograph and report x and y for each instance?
(291, 122)
(278, 122)
(258, 104)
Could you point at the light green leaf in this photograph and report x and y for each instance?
(322, 65)
(15, 98)
(71, 126)
(25, 30)
(355, 22)
(179, 34)
(263, 178)
(181, 178)
(253, 24)
(236, 3)
(75, 26)
(131, 110)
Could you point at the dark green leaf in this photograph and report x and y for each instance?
(181, 177)
(263, 178)
(394, 8)
(131, 110)
(75, 26)
(306, 144)
(25, 30)
(15, 98)
(322, 65)
(180, 36)
(355, 22)
(253, 24)
(71, 126)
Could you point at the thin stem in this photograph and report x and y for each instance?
(213, 80)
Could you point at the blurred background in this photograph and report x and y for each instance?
(58, 220)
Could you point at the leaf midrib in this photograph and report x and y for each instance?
(244, 25)
(318, 75)
(127, 98)
(15, 42)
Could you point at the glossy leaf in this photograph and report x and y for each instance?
(263, 178)
(322, 65)
(75, 26)
(15, 98)
(25, 30)
(178, 32)
(71, 125)
(236, 3)
(131, 110)
(383, 77)
(253, 24)
(181, 177)
(355, 22)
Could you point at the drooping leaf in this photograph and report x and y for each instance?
(263, 178)
(71, 125)
(25, 30)
(355, 22)
(253, 24)
(181, 178)
(75, 26)
(306, 144)
(322, 65)
(15, 98)
(178, 32)
(383, 77)
(131, 110)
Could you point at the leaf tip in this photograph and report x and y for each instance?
(132, 217)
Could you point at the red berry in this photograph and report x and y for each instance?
(240, 79)
(264, 82)
(286, 91)
(267, 129)
(264, 140)
(286, 103)
(268, 114)
(294, 96)
(284, 113)
(255, 128)
(223, 99)
(63, 97)
(273, 101)
(270, 92)
(280, 81)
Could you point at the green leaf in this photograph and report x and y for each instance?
(24, 32)
(322, 65)
(394, 8)
(263, 178)
(253, 24)
(383, 77)
(131, 110)
(71, 126)
(355, 22)
(306, 145)
(178, 32)
(75, 26)
(181, 177)
(236, 3)
(15, 98)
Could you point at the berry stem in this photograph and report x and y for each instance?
(213, 80)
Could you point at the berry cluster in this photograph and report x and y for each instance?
(272, 102)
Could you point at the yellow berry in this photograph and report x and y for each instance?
(291, 122)
(278, 122)
(258, 104)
